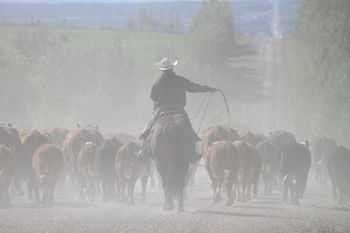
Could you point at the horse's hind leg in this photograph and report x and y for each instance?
(168, 203)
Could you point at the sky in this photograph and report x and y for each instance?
(97, 1)
(89, 1)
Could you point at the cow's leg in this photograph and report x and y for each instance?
(220, 179)
(35, 183)
(180, 204)
(296, 188)
(42, 188)
(111, 188)
(286, 184)
(122, 185)
(151, 174)
(265, 180)
(16, 185)
(104, 190)
(214, 185)
(229, 184)
(131, 186)
(245, 187)
(144, 180)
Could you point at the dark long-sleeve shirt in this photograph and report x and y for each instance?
(170, 89)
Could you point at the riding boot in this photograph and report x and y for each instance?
(149, 127)
(144, 154)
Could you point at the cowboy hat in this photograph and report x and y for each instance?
(166, 64)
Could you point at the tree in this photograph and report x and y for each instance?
(323, 30)
(173, 22)
(212, 33)
(142, 18)
(130, 24)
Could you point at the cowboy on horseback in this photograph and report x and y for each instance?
(169, 95)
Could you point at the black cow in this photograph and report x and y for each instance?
(339, 171)
(295, 166)
(105, 164)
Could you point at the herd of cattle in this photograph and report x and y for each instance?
(237, 163)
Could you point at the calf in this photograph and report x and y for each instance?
(249, 171)
(270, 163)
(47, 163)
(338, 167)
(223, 157)
(252, 138)
(129, 168)
(87, 169)
(31, 141)
(7, 171)
(105, 164)
(295, 166)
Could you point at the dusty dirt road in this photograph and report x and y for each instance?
(316, 213)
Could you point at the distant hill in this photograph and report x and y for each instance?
(251, 17)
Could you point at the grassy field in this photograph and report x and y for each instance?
(144, 47)
(87, 83)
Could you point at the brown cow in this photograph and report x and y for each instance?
(122, 137)
(223, 157)
(129, 170)
(75, 140)
(87, 168)
(7, 171)
(31, 141)
(105, 166)
(72, 145)
(249, 172)
(270, 162)
(252, 138)
(214, 134)
(47, 163)
(57, 135)
(9, 137)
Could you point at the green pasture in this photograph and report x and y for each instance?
(144, 47)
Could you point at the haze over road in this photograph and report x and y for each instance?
(265, 214)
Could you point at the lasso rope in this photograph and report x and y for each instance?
(206, 101)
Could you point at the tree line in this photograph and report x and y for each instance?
(47, 82)
(323, 84)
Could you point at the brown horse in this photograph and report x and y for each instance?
(172, 143)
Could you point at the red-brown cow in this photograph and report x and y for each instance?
(223, 157)
(47, 163)
(129, 170)
(7, 171)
